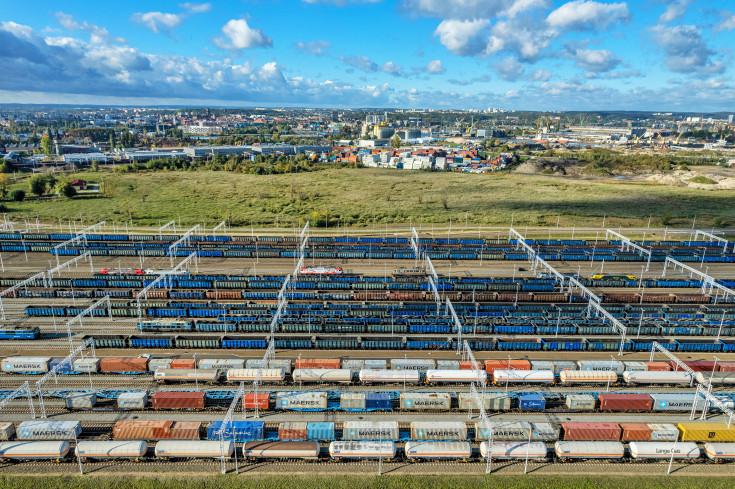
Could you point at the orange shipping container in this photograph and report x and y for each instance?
(635, 432)
(183, 363)
(142, 430)
(658, 366)
(186, 430)
(292, 430)
(493, 365)
(726, 367)
(124, 364)
(317, 363)
(177, 400)
(251, 400)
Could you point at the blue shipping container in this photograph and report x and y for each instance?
(244, 430)
(320, 431)
(533, 402)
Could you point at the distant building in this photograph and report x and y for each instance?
(729, 118)
(79, 184)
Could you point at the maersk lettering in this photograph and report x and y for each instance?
(427, 402)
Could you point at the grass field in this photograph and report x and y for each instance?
(368, 197)
(352, 482)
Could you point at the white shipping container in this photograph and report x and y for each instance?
(420, 364)
(675, 402)
(648, 450)
(370, 430)
(514, 450)
(7, 430)
(353, 365)
(156, 363)
(25, 364)
(282, 363)
(87, 365)
(419, 401)
(222, 363)
(545, 432)
(49, 430)
(492, 401)
(583, 402)
(601, 365)
(504, 430)
(352, 400)
(132, 400)
(305, 401)
(663, 432)
(447, 364)
(635, 366)
(81, 400)
(561, 365)
(542, 365)
(376, 364)
(438, 430)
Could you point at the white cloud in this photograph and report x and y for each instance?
(158, 21)
(468, 9)
(196, 8)
(686, 51)
(391, 68)
(727, 23)
(463, 37)
(594, 60)
(540, 75)
(516, 37)
(317, 48)
(581, 15)
(674, 9)
(435, 67)
(97, 35)
(362, 63)
(509, 69)
(239, 35)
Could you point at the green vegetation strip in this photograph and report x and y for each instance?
(369, 482)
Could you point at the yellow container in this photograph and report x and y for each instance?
(706, 432)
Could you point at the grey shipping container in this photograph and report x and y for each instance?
(81, 401)
(418, 401)
(132, 400)
(583, 402)
(493, 401)
(7, 430)
(49, 430)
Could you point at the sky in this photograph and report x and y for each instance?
(650, 55)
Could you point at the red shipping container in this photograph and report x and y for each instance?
(317, 363)
(658, 366)
(635, 432)
(124, 364)
(177, 400)
(625, 402)
(292, 430)
(182, 363)
(467, 365)
(142, 430)
(261, 400)
(493, 365)
(726, 367)
(697, 366)
(186, 430)
(591, 431)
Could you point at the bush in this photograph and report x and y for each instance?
(4, 208)
(37, 185)
(719, 222)
(666, 219)
(66, 189)
(704, 180)
(547, 171)
(18, 195)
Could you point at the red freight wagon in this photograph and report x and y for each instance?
(493, 365)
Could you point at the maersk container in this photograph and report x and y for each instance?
(438, 430)
(676, 402)
(221, 363)
(430, 401)
(49, 430)
(132, 400)
(243, 430)
(26, 364)
(320, 431)
(504, 430)
(601, 365)
(81, 400)
(86, 365)
(301, 401)
(582, 402)
(531, 402)
(420, 364)
(492, 401)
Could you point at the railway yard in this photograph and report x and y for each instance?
(161, 353)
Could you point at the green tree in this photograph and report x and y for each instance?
(112, 141)
(66, 189)
(37, 185)
(46, 145)
(18, 195)
(4, 185)
(395, 141)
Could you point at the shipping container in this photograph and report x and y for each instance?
(181, 363)
(504, 430)
(243, 431)
(492, 401)
(420, 401)
(625, 402)
(438, 430)
(492, 365)
(221, 363)
(312, 363)
(86, 365)
(259, 400)
(635, 432)
(370, 430)
(582, 402)
(658, 366)
(531, 402)
(601, 365)
(142, 430)
(124, 365)
(178, 400)
(418, 364)
(49, 430)
(7, 430)
(132, 400)
(590, 431)
(675, 402)
(301, 401)
(635, 367)
(319, 431)
(663, 432)
(706, 432)
(81, 400)
(25, 364)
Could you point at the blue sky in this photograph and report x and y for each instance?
(668, 55)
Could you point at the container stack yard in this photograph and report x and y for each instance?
(366, 349)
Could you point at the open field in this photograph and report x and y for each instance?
(373, 197)
(295, 481)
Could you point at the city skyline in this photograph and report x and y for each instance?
(671, 55)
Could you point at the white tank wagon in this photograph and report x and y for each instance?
(437, 450)
(720, 452)
(341, 450)
(716, 378)
(514, 450)
(104, 450)
(25, 365)
(187, 375)
(190, 449)
(370, 430)
(34, 450)
(384, 376)
(322, 375)
(501, 377)
(656, 450)
(455, 376)
(49, 430)
(438, 430)
(301, 401)
(250, 374)
(491, 401)
(425, 401)
(584, 450)
(255, 450)
(572, 377)
(656, 377)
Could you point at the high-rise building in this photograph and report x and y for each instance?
(729, 118)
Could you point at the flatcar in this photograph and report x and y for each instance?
(20, 333)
